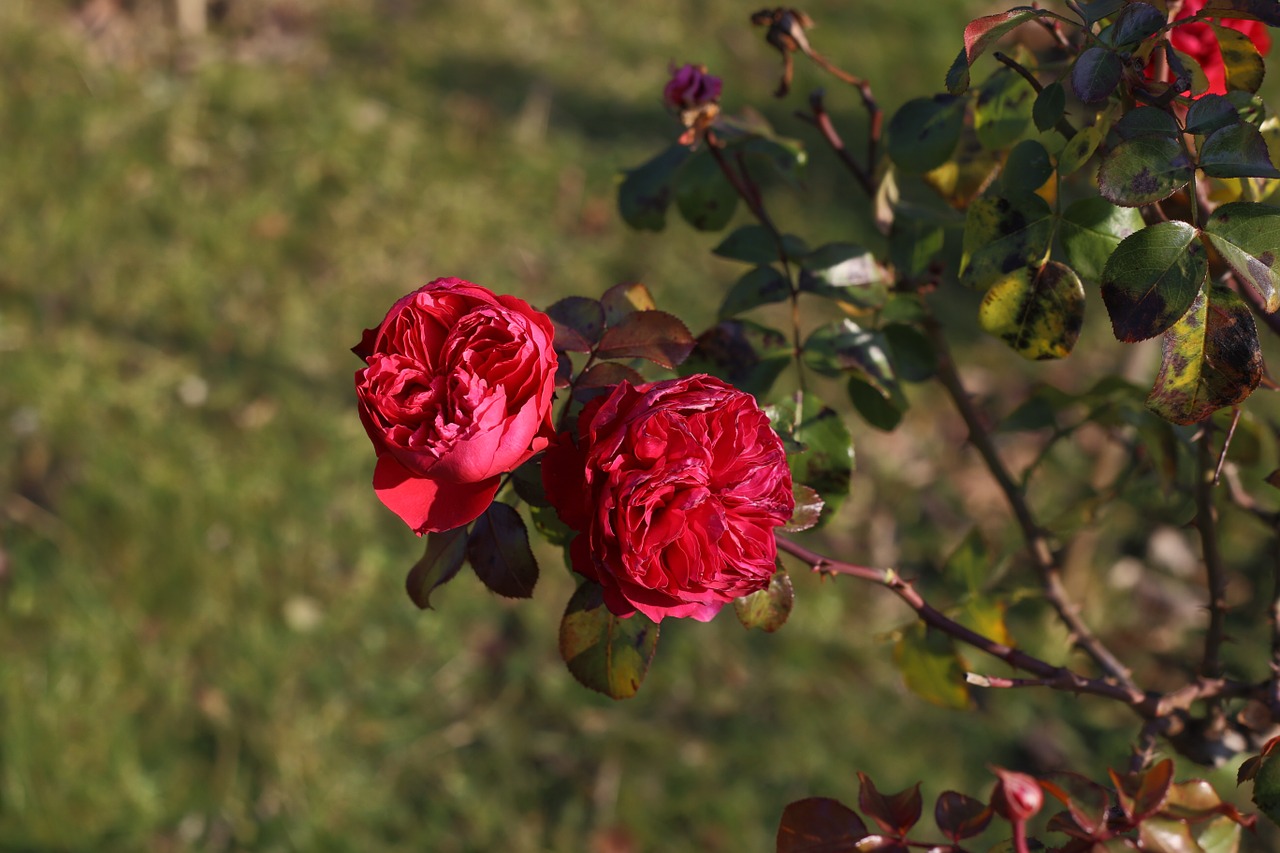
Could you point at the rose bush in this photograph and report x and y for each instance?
(676, 488)
(1198, 41)
(456, 390)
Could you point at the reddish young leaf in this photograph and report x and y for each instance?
(654, 335)
(959, 816)
(1086, 801)
(983, 32)
(602, 377)
(896, 813)
(1143, 794)
(819, 825)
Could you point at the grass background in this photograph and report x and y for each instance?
(204, 639)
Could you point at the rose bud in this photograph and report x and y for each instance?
(691, 87)
(675, 488)
(456, 391)
(1017, 796)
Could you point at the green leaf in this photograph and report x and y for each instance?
(1136, 23)
(1144, 169)
(808, 509)
(924, 132)
(1079, 149)
(606, 653)
(1003, 108)
(1211, 358)
(1096, 74)
(819, 825)
(1091, 229)
(930, 667)
(1247, 236)
(958, 75)
(498, 549)
(704, 195)
(1028, 166)
(1164, 835)
(1098, 9)
(441, 561)
(784, 157)
(1220, 835)
(912, 355)
(1002, 234)
(1237, 151)
(825, 464)
(1241, 61)
(760, 286)
(917, 237)
(747, 355)
(846, 347)
(654, 335)
(981, 33)
(1152, 278)
(768, 608)
(1050, 106)
(646, 191)
(625, 299)
(754, 244)
(578, 323)
(1150, 121)
(1266, 787)
(1037, 312)
(527, 481)
(1266, 11)
(881, 408)
(970, 563)
(1208, 113)
(846, 273)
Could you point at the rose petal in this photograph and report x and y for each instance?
(430, 506)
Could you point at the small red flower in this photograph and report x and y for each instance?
(691, 87)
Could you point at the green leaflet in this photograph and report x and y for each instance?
(1152, 278)
(1211, 358)
(1002, 234)
(1037, 312)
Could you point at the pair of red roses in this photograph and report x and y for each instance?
(674, 486)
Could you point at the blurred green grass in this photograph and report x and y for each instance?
(204, 640)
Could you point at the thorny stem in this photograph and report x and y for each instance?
(1056, 677)
(1037, 545)
(749, 192)
(1207, 523)
(819, 118)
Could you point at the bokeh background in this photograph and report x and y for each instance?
(204, 639)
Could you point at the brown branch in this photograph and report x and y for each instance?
(1056, 677)
(1037, 545)
(1207, 524)
(821, 119)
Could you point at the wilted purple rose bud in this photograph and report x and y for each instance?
(691, 87)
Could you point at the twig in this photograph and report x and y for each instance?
(821, 119)
(1056, 677)
(1037, 546)
(1017, 66)
(1207, 524)
(749, 192)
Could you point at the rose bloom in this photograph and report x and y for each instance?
(456, 391)
(675, 488)
(1200, 43)
(690, 88)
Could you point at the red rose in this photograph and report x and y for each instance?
(456, 391)
(676, 488)
(690, 88)
(1198, 41)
